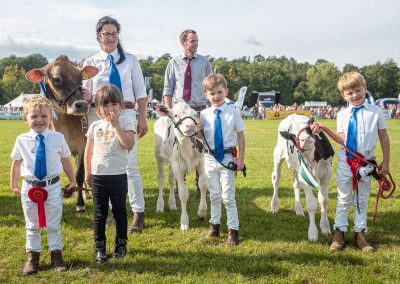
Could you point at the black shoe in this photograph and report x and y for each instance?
(120, 248)
(101, 256)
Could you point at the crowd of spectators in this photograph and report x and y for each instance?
(318, 112)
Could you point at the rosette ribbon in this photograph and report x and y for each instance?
(39, 196)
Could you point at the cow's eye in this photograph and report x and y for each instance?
(57, 80)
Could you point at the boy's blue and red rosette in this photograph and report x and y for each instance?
(39, 196)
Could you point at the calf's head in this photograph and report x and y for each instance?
(304, 140)
(63, 81)
(182, 116)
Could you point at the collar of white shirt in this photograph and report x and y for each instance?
(114, 53)
(183, 56)
(222, 107)
(33, 133)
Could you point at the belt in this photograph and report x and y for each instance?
(226, 151)
(127, 105)
(43, 183)
(199, 108)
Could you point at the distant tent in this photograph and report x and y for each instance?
(18, 102)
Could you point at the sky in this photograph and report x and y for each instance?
(340, 31)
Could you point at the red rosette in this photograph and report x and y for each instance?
(357, 162)
(39, 196)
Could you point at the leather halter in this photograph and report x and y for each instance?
(61, 103)
(179, 122)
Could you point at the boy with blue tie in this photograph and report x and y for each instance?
(358, 125)
(40, 155)
(223, 130)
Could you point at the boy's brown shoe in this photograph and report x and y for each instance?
(57, 261)
(213, 231)
(233, 237)
(361, 242)
(32, 264)
(338, 241)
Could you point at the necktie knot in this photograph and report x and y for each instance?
(217, 111)
(111, 58)
(40, 137)
(355, 109)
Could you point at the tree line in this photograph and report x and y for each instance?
(296, 81)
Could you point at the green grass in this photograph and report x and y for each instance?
(273, 248)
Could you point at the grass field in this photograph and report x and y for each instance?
(273, 248)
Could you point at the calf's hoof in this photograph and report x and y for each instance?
(80, 209)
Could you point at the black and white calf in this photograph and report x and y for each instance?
(176, 144)
(319, 153)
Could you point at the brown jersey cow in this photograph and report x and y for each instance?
(62, 83)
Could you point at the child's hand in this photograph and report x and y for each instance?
(16, 190)
(383, 168)
(240, 165)
(198, 128)
(88, 180)
(71, 185)
(315, 128)
(113, 118)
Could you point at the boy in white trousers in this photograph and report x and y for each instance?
(223, 130)
(359, 124)
(41, 172)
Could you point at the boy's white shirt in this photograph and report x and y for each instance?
(231, 122)
(369, 120)
(25, 148)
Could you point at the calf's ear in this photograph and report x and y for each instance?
(162, 110)
(89, 72)
(35, 75)
(287, 135)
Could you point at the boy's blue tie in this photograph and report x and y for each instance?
(351, 141)
(40, 160)
(218, 140)
(115, 79)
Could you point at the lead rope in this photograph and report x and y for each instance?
(231, 165)
(385, 184)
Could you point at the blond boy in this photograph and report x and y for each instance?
(38, 115)
(358, 125)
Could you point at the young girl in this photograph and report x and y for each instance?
(106, 158)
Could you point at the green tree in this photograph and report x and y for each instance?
(322, 81)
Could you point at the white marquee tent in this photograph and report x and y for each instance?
(18, 102)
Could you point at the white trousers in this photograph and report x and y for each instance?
(135, 185)
(221, 185)
(347, 196)
(53, 208)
